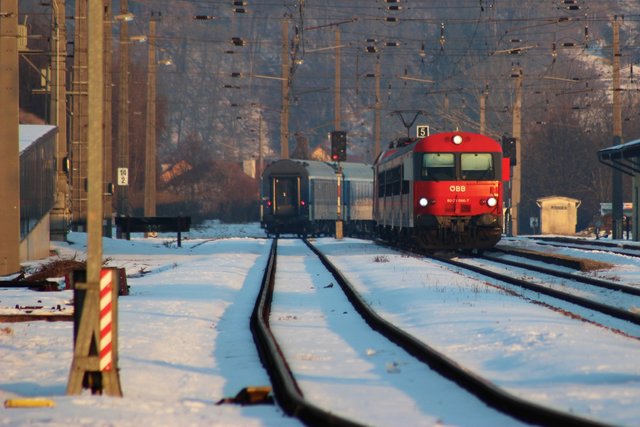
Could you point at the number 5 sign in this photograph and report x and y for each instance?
(422, 131)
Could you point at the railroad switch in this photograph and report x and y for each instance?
(252, 395)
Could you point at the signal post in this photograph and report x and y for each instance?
(339, 154)
(339, 231)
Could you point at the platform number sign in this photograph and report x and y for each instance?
(422, 131)
(123, 176)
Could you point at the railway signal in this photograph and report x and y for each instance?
(509, 149)
(338, 146)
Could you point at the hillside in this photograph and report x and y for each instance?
(224, 91)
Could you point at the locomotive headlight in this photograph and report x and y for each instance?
(457, 139)
(423, 202)
(492, 201)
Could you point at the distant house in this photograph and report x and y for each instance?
(170, 172)
(320, 154)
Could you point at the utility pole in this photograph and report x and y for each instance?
(616, 184)
(95, 333)
(483, 111)
(517, 134)
(122, 178)
(336, 94)
(95, 95)
(79, 120)
(108, 117)
(378, 107)
(9, 135)
(150, 142)
(260, 148)
(284, 116)
(60, 215)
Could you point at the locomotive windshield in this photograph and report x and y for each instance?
(462, 166)
(438, 166)
(476, 166)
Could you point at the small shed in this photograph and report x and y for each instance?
(558, 215)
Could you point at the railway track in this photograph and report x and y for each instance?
(596, 295)
(612, 299)
(301, 401)
(592, 281)
(616, 247)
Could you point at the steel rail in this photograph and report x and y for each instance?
(606, 284)
(574, 299)
(610, 246)
(286, 390)
(483, 389)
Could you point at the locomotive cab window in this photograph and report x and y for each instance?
(477, 166)
(438, 167)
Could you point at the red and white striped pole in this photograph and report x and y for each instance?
(95, 353)
(106, 319)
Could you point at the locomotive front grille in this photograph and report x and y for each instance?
(459, 208)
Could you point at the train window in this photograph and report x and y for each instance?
(397, 180)
(388, 190)
(381, 184)
(438, 166)
(477, 166)
(285, 196)
(405, 187)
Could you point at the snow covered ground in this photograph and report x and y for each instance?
(531, 351)
(184, 341)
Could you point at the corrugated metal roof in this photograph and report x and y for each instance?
(357, 171)
(317, 169)
(351, 171)
(324, 170)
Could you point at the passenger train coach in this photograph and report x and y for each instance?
(444, 191)
(301, 197)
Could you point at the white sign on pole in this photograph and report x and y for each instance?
(422, 131)
(123, 176)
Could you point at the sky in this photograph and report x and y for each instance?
(184, 341)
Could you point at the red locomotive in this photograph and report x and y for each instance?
(443, 191)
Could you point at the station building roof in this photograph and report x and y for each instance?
(29, 134)
(626, 151)
(622, 157)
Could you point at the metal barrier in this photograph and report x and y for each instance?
(152, 224)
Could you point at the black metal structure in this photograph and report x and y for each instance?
(153, 224)
(624, 158)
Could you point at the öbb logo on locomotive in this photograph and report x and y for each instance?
(409, 194)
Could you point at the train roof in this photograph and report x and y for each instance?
(316, 169)
(441, 142)
(357, 171)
